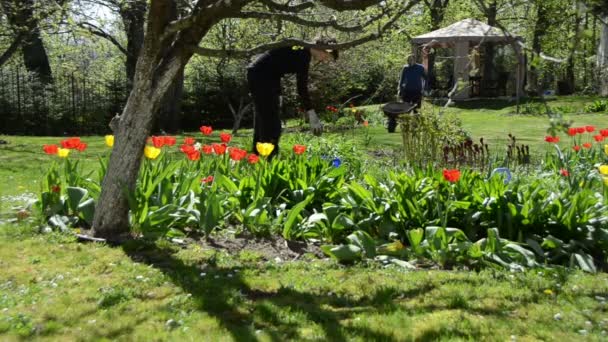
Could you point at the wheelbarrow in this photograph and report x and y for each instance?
(393, 109)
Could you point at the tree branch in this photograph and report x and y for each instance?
(310, 23)
(298, 42)
(349, 5)
(103, 34)
(286, 7)
(11, 49)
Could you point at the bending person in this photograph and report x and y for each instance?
(264, 78)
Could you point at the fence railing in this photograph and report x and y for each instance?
(74, 103)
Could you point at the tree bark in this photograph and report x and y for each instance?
(111, 214)
(133, 15)
(602, 57)
(489, 51)
(170, 112)
(540, 29)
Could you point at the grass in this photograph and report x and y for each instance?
(53, 288)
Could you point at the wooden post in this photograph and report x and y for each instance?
(461, 70)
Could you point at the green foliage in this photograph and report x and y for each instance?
(598, 106)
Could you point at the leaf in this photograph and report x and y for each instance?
(584, 261)
(343, 221)
(86, 210)
(343, 253)
(293, 215)
(75, 196)
(363, 241)
(393, 248)
(224, 182)
(415, 236)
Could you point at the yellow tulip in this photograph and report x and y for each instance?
(264, 149)
(109, 140)
(604, 169)
(151, 152)
(63, 152)
(606, 149)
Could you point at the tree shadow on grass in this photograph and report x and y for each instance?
(242, 310)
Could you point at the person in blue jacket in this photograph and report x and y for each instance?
(411, 83)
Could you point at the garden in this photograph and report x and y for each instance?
(420, 170)
(215, 220)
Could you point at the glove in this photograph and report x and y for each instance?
(316, 126)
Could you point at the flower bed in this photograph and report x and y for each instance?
(555, 214)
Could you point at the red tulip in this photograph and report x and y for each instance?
(70, 143)
(225, 137)
(587, 145)
(598, 137)
(169, 141)
(551, 139)
(571, 131)
(219, 148)
(237, 154)
(299, 149)
(253, 158)
(576, 148)
(187, 149)
(194, 155)
(589, 128)
(157, 141)
(50, 149)
(81, 147)
(189, 141)
(604, 132)
(564, 172)
(207, 179)
(207, 149)
(206, 130)
(451, 175)
(580, 129)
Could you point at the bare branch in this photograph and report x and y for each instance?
(349, 5)
(288, 8)
(103, 34)
(310, 23)
(298, 42)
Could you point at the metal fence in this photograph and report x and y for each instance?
(74, 103)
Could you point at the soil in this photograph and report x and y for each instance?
(270, 248)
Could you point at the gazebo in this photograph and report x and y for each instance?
(466, 37)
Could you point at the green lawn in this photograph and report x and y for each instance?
(53, 288)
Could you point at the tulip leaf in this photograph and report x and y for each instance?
(75, 196)
(343, 253)
(363, 241)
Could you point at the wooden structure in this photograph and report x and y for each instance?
(466, 38)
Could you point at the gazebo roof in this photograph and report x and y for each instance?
(465, 30)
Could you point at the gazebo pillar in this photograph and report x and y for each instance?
(461, 70)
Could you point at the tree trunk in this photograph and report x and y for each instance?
(133, 16)
(570, 78)
(170, 111)
(489, 51)
(20, 15)
(602, 57)
(535, 83)
(111, 214)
